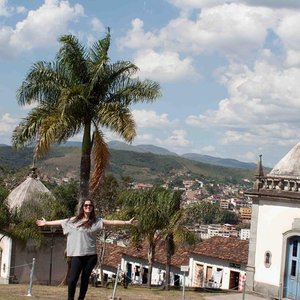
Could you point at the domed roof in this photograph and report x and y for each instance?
(289, 165)
(25, 191)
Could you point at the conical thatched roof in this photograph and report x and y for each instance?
(24, 192)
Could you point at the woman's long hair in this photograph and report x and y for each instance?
(80, 215)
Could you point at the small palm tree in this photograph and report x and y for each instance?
(144, 206)
(81, 91)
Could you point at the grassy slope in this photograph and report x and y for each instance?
(145, 167)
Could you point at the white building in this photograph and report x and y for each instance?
(219, 262)
(274, 249)
(133, 262)
(245, 234)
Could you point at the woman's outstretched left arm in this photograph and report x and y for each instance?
(131, 222)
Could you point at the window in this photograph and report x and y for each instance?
(293, 268)
(0, 259)
(267, 259)
(295, 248)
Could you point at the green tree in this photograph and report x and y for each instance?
(145, 207)
(160, 218)
(106, 196)
(81, 91)
(19, 223)
(67, 193)
(207, 213)
(203, 212)
(174, 232)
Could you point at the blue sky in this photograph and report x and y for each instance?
(229, 70)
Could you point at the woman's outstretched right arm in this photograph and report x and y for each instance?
(43, 222)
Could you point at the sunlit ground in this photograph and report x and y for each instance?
(20, 291)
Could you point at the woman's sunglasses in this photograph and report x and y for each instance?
(88, 205)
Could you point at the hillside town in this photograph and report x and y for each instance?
(228, 197)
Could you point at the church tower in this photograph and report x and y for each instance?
(274, 249)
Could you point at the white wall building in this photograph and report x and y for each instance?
(245, 234)
(274, 250)
(219, 262)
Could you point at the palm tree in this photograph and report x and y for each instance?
(81, 91)
(160, 218)
(145, 206)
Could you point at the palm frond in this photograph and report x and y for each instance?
(73, 56)
(101, 158)
(119, 119)
(130, 91)
(42, 84)
(99, 50)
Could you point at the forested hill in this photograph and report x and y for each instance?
(141, 167)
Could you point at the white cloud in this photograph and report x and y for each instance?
(209, 149)
(144, 138)
(248, 156)
(231, 30)
(7, 10)
(293, 58)
(21, 9)
(97, 25)
(4, 10)
(136, 38)
(273, 3)
(165, 66)
(262, 107)
(150, 119)
(7, 125)
(262, 95)
(53, 17)
(196, 4)
(177, 141)
(287, 29)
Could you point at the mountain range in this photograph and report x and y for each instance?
(142, 163)
(217, 161)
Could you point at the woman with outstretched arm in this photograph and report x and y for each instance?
(81, 231)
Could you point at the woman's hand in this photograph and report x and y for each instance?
(41, 222)
(133, 222)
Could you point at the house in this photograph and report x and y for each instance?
(218, 262)
(274, 249)
(133, 261)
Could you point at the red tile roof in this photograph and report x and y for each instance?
(113, 254)
(225, 248)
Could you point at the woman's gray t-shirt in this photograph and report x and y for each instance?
(80, 240)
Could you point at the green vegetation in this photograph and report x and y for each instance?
(206, 213)
(140, 167)
(81, 91)
(159, 217)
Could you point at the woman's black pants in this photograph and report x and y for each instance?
(85, 266)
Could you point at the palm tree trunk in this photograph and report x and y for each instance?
(85, 164)
(170, 250)
(151, 254)
(168, 266)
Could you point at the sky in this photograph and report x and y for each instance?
(229, 70)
